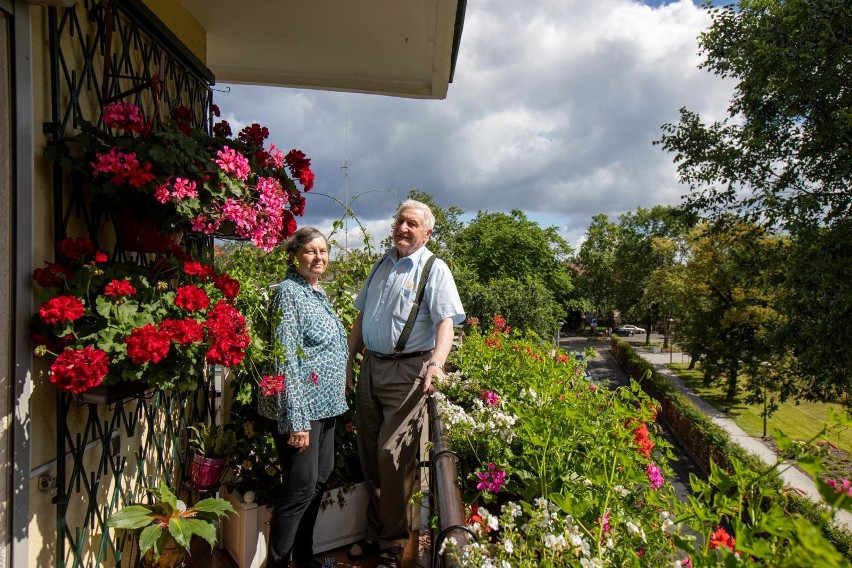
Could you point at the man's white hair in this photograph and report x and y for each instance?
(428, 217)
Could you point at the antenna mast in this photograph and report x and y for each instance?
(345, 168)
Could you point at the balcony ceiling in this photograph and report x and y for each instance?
(403, 48)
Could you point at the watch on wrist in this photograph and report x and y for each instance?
(434, 364)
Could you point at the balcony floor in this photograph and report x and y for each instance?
(417, 555)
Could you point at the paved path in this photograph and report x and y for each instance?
(793, 477)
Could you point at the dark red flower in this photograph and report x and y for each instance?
(146, 344)
(182, 331)
(297, 204)
(78, 370)
(119, 288)
(192, 298)
(222, 129)
(49, 277)
(75, 248)
(230, 287)
(254, 134)
(101, 257)
(61, 308)
(214, 110)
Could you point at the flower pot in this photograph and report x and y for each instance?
(173, 555)
(110, 394)
(206, 472)
(138, 232)
(343, 521)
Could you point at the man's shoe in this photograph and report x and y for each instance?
(390, 558)
(362, 549)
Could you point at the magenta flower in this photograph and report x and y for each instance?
(655, 477)
(233, 162)
(492, 480)
(491, 398)
(842, 486)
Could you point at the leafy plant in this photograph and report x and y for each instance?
(212, 441)
(107, 322)
(201, 182)
(169, 519)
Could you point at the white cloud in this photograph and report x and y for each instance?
(553, 110)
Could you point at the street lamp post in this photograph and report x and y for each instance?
(765, 375)
(558, 332)
(671, 343)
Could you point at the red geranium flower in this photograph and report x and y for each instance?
(720, 537)
(146, 344)
(183, 331)
(78, 370)
(272, 385)
(119, 288)
(75, 248)
(61, 308)
(230, 287)
(192, 298)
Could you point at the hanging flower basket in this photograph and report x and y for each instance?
(193, 180)
(110, 323)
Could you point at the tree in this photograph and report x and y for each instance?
(784, 154)
(783, 158)
(650, 240)
(497, 247)
(732, 283)
(596, 264)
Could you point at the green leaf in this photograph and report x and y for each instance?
(202, 528)
(150, 537)
(214, 505)
(131, 517)
(181, 531)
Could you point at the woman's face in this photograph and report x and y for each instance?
(312, 260)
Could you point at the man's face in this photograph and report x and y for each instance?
(410, 232)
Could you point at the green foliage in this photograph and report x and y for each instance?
(498, 255)
(169, 519)
(526, 304)
(783, 154)
(212, 442)
(715, 448)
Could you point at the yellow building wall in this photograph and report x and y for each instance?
(182, 24)
(42, 511)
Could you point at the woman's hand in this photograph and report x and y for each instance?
(300, 440)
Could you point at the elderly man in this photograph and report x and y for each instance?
(406, 347)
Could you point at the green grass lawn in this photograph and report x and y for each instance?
(798, 421)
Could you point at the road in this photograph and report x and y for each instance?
(606, 372)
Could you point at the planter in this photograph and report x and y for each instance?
(173, 555)
(109, 394)
(343, 521)
(206, 473)
(137, 232)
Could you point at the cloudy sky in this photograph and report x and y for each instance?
(552, 110)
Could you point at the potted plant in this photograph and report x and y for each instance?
(214, 446)
(168, 525)
(190, 179)
(111, 322)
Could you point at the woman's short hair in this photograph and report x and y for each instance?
(428, 217)
(301, 238)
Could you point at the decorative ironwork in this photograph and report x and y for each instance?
(109, 450)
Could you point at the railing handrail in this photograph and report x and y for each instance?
(445, 489)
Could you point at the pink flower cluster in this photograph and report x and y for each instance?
(491, 480)
(241, 183)
(272, 385)
(490, 398)
(655, 476)
(842, 486)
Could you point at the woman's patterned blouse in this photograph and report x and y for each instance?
(313, 342)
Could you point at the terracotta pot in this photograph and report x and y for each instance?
(173, 555)
(206, 472)
(137, 231)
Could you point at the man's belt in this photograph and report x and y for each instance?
(407, 355)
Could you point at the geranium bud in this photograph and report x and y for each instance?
(40, 351)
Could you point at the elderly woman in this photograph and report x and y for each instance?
(313, 362)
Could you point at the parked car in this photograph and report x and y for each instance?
(630, 330)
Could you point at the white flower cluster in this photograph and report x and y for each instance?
(452, 414)
(493, 422)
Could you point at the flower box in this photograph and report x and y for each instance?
(342, 521)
